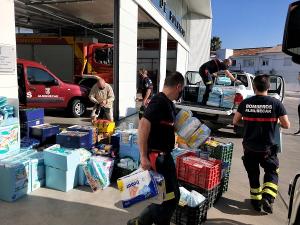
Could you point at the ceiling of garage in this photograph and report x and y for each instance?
(81, 17)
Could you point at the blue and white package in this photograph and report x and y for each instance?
(228, 98)
(189, 127)
(136, 187)
(199, 136)
(215, 97)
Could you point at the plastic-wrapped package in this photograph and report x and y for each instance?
(189, 127)
(223, 80)
(181, 118)
(136, 187)
(215, 97)
(199, 136)
(184, 196)
(195, 199)
(228, 98)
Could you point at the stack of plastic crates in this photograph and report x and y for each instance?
(224, 153)
(201, 175)
(185, 215)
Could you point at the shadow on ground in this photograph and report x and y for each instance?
(35, 210)
(223, 222)
(233, 207)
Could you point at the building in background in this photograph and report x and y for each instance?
(268, 60)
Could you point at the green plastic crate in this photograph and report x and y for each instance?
(219, 150)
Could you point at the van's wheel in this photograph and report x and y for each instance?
(77, 108)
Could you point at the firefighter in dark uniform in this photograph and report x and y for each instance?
(208, 73)
(156, 142)
(260, 115)
(147, 90)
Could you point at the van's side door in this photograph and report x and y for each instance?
(43, 89)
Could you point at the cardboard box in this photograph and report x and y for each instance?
(60, 179)
(25, 127)
(9, 138)
(74, 139)
(44, 131)
(61, 158)
(93, 133)
(15, 179)
(31, 114)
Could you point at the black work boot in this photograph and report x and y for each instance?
(267, 205)
(134, 221)
(256, 205)
(297, 133)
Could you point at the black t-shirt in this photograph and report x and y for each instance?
(147, 84)
(260, 116)
(213, 66)
(161, 114)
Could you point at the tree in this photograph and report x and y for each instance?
(215, 43)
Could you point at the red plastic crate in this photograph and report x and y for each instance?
(198, 171)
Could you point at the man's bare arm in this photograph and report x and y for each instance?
(143, 134)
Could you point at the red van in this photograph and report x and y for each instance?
(38, 87)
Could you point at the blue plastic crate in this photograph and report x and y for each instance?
(74, 139)
(44, 131)
(25, 127)
(93, 134)
(31, 114)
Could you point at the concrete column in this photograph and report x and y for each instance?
(163, 57)
(182, 59)
(128, 24)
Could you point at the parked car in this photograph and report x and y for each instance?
(218, 117)
(39, 87)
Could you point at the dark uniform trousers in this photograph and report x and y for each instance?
(208, 80)
(161, 214)
(268, 160)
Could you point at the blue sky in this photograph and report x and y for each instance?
(249, 23)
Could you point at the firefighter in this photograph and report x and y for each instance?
(208, 73)
(260, 115)
(156, 142)
(103, 96)
(147, 90)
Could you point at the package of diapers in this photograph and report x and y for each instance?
(189, 127)
(181, 118)
(199, 136)
(136, 187)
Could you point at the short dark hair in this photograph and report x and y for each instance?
(261, 83)
(173, 79)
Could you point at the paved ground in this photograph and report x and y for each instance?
(81, 206)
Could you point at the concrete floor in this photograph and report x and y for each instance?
(82, 207)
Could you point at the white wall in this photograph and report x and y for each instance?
(200, 36)
(127, 57)
(8, 74)
(163, 57)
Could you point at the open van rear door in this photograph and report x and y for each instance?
(277, 87)
(291, 38)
